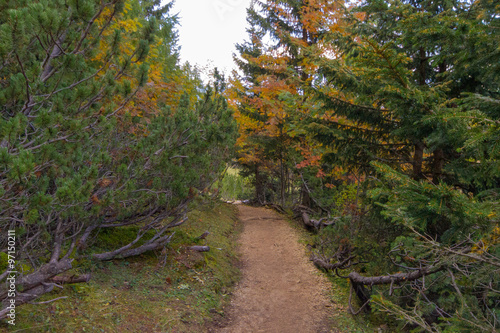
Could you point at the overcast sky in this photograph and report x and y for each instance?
(209, 29)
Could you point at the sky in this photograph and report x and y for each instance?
(209, 29)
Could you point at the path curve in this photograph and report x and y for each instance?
(280, 289)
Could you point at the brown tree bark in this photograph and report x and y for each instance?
(321, 223)
(305, 197)
(357, 278)
(35, 284)
(422, 66)
(437, 165)
(282, 179)
(418, 159)
(259, 188)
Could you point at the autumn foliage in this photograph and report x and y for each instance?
(382, 118)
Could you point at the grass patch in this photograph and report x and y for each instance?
(175, 290)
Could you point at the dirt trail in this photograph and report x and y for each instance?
(280, 290)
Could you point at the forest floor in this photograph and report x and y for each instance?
(280, 289)
(256, 278)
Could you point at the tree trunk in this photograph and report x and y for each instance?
(418, 155)
(438, 156)
(422, 67)
(437, 165)
(282, 181)
(418, 158)
(259, 188)
(305, 197)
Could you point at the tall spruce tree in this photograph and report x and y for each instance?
(271, 94)
(410, 97)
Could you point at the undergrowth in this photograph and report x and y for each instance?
(233, 186)
(341, 319)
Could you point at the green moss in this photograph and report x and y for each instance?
(3, 261)
(113, 238)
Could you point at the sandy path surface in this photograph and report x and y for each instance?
(280, 290)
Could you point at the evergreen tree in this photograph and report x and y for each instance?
(406, 100)
(91, 136)
(271, 94)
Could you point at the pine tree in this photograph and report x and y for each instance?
(91, 138)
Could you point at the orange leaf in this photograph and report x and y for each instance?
(105, 182)
(95, 199)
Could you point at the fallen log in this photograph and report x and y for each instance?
(198, 248)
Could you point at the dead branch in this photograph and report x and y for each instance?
(316, 224)
(276, 207)
(52, 300)
(198, 248)
(356, 278)
(126, 252)
(204, 235)
(322, 263)
(71, 279)
(34, 285)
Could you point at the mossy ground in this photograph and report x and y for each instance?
(176, 290)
